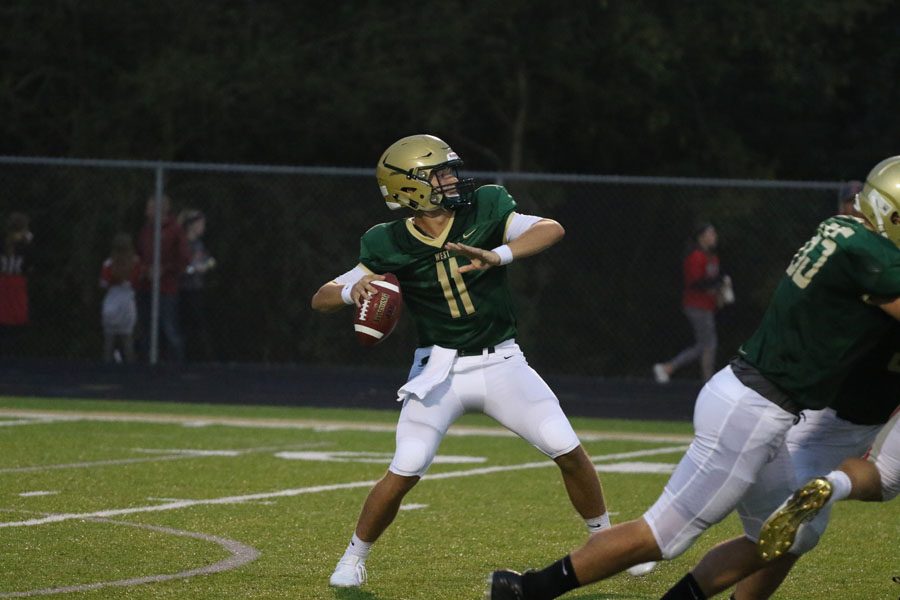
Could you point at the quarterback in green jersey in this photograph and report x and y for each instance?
(827, 312)
(448, 258)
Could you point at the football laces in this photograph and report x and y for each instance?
(364, 308)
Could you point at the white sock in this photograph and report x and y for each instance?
(840, 486)
(359, 548)
(598, 523)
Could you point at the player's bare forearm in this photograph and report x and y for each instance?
(328, 298)
(892, 308)
(537, 238)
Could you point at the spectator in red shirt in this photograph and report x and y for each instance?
(174, 256)
(14, 267)
(119, 276)
(705, 289)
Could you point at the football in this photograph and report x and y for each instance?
(379, 313)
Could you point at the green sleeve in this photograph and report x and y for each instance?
(378, 252)
(495, 206)
(496, 203)
(878, 273)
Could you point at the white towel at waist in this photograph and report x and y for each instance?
(436, 371)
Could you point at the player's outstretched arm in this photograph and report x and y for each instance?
(892, 308)
(537, 238)
(330, 297)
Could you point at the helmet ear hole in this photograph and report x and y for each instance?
(895, 218)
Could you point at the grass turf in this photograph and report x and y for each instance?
(110, 464)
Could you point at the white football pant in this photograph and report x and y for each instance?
(817, 445)
(499, 384)
(738, 459)
(886, 456)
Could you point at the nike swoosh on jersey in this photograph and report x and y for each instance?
(469, 232)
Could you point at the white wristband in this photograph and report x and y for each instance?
(505, 254)
(345, 294)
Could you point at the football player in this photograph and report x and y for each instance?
(826, 313)
(449, 258)
(876, 479)
(817, 444)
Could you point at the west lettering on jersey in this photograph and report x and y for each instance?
(451, 309)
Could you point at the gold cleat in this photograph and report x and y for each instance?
(780, 529)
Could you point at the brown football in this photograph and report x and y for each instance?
(380, 312)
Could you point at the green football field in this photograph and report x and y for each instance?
(154, 500)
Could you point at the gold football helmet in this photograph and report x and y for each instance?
(405, 170)
(879, 199)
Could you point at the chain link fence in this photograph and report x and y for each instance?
(605, 301)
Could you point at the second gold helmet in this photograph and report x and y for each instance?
(879, 199)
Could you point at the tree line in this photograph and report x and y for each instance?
(788, 90)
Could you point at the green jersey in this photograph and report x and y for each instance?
(819, 322)
(872, 390)
(464, 311)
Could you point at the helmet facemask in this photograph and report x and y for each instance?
(452, 195)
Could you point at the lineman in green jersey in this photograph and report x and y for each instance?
(826, 313)
(447, 258)
(823, 439)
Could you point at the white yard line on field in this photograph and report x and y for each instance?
(313, 424)
(166, 455)
(240, 554)
(93, 463)
(25, 421)
(57, 518)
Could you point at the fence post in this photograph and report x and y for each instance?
(157, 244)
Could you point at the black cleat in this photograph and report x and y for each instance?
(504, 585)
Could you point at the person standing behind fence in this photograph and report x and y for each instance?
(14, 267)
(705, 290)
(174, 256)
(191, 300)
(119, 275)
(847, 197)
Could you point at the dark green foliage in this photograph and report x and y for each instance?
(799, 90)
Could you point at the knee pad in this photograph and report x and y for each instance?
(673, 532)
(412, 458)
(557, 437)
(675, 550)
